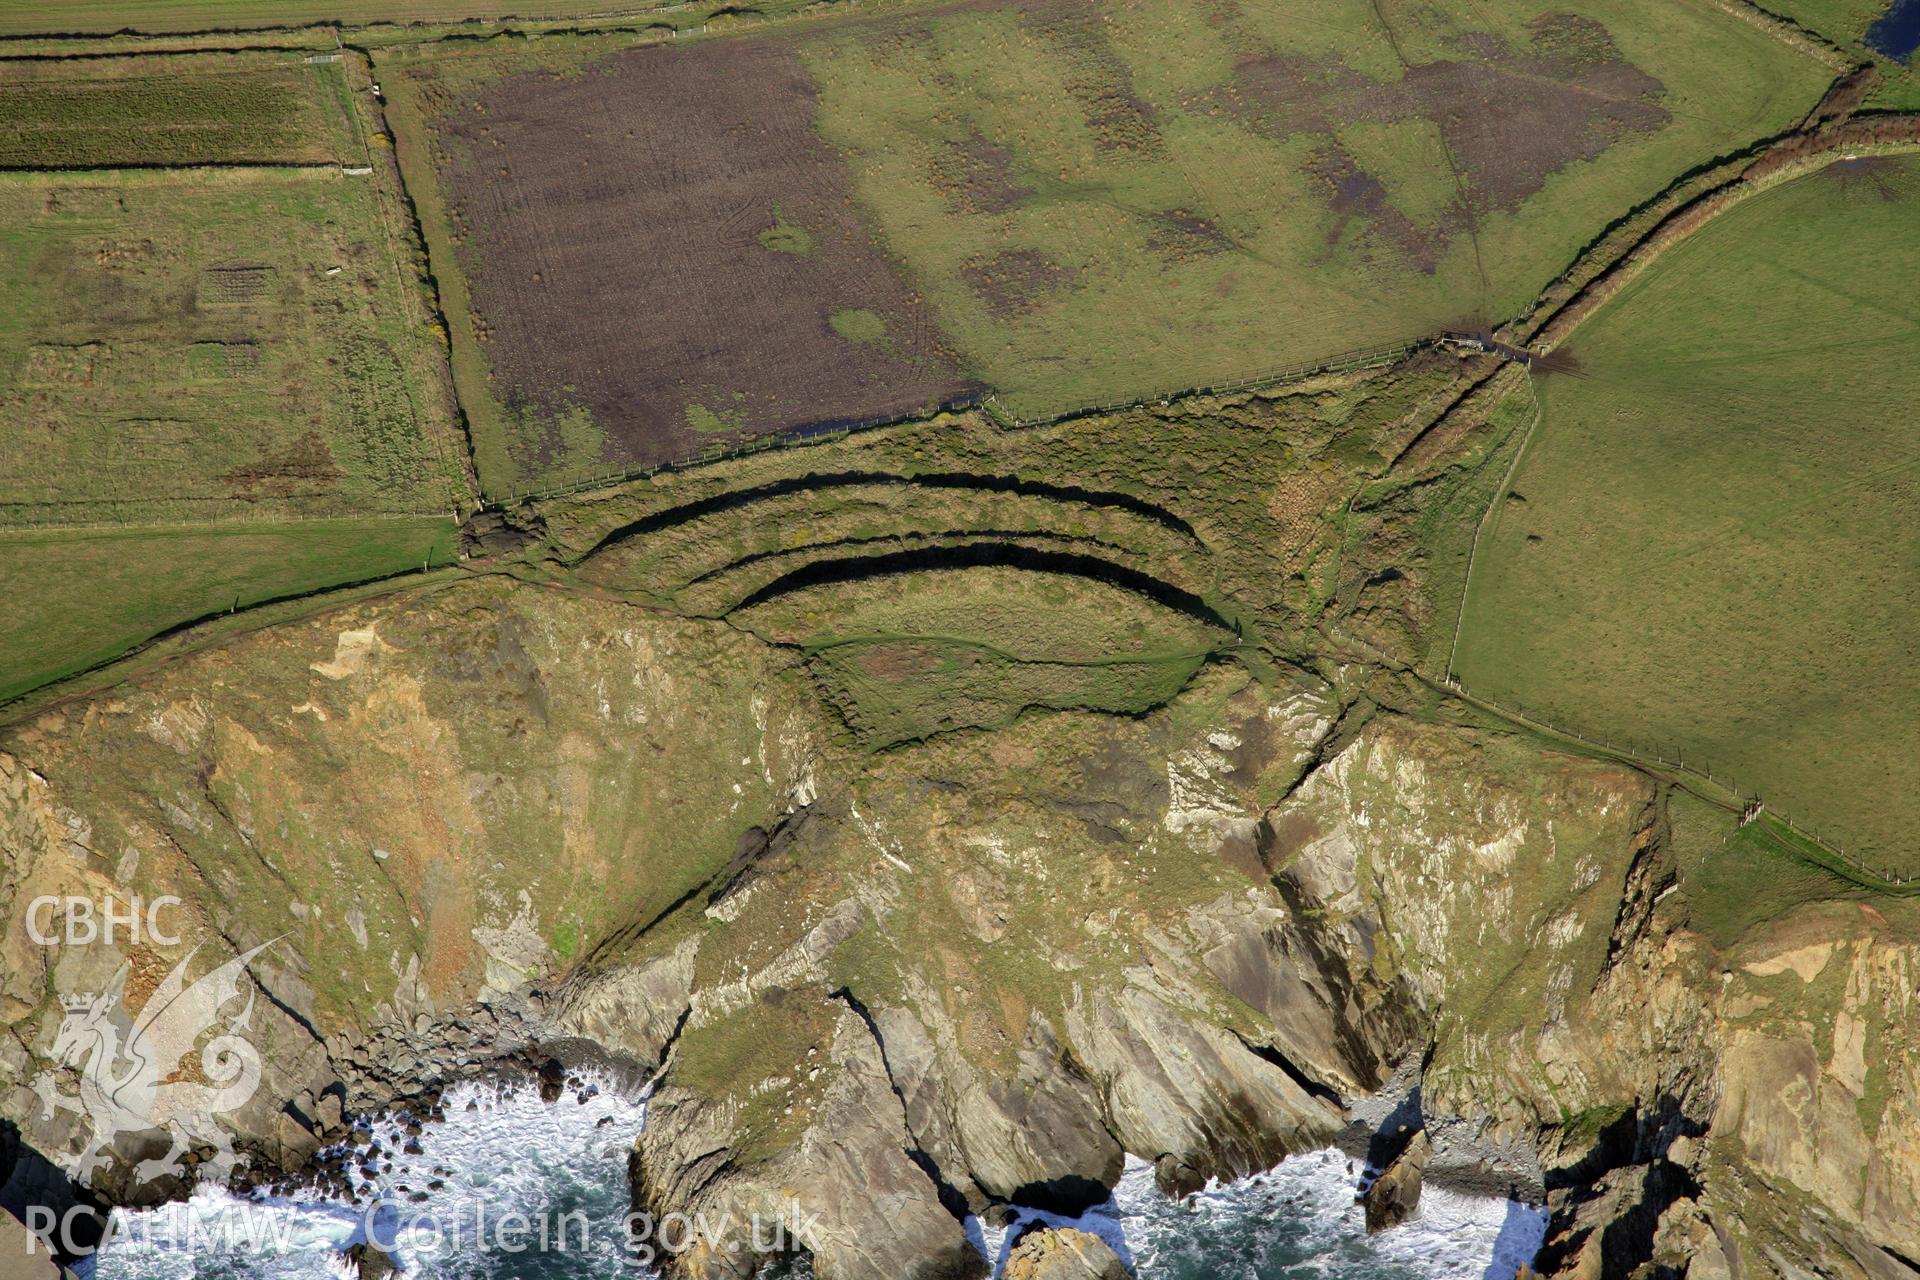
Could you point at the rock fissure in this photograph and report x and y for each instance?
(1307, 1084)
(952, 1199)
(909, 537)
(976, 554)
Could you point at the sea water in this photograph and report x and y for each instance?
(1300, 1219)
(1896, 33)
(509, 1166)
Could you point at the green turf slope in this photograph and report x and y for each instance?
(82, 597)
(1106, 200)
(1713, 544)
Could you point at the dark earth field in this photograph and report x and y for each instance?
(1405, 611)
(666, 245)
(663, 244)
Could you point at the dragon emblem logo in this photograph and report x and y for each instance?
(149, 1081)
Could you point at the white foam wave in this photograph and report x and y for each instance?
(514, 1154)
(509, 1160)
(1299, 1218)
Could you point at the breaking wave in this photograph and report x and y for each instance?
(504, 1158)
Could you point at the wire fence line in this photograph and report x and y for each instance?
(36, 524)
(1752, 805)
(1357, 358)
(1486, 517)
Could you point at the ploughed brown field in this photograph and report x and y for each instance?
(664, 243)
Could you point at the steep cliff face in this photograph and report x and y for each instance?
(887, 991)
(1049, 954)
(414, 812)
(1711, 1085)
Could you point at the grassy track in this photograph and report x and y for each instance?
(193, 109)
(1710, 547)
(95, 594)
(1121, 198)
(18, 17)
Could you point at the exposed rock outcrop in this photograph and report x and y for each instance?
(883, 993)
(1195, 1096)
(370, 1262)
(1604, 993)
(1037, 1138)
(1063, 1253)
(406, 816)
(861, 1206)
(1395, 1194)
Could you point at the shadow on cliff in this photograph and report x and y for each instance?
(38, 1195)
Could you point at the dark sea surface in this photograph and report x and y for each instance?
(561, 1164)
(1896, 33)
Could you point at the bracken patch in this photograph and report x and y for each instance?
(1015, 281)
(1510, 118)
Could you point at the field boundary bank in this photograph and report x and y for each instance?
(416, 279)
(1792, 156)
(1787, 31)
(819, 433)
(1652, 758)
(1836, 109)
(329, 169)
(217, 523)
(987, 402)
(323, 27)
(426, 31)
(1342, 362)
(122, 54)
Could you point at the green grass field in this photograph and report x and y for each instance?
(903, 658)
(1712, 545)
(20, 18)
(193, 344)
(190, 109)
(96, 593)
(1107, 200)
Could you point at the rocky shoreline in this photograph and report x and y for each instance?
(896, 991)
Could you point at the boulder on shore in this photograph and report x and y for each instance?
(370, 1262)
(1063, 1253)
(1395, 1194)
